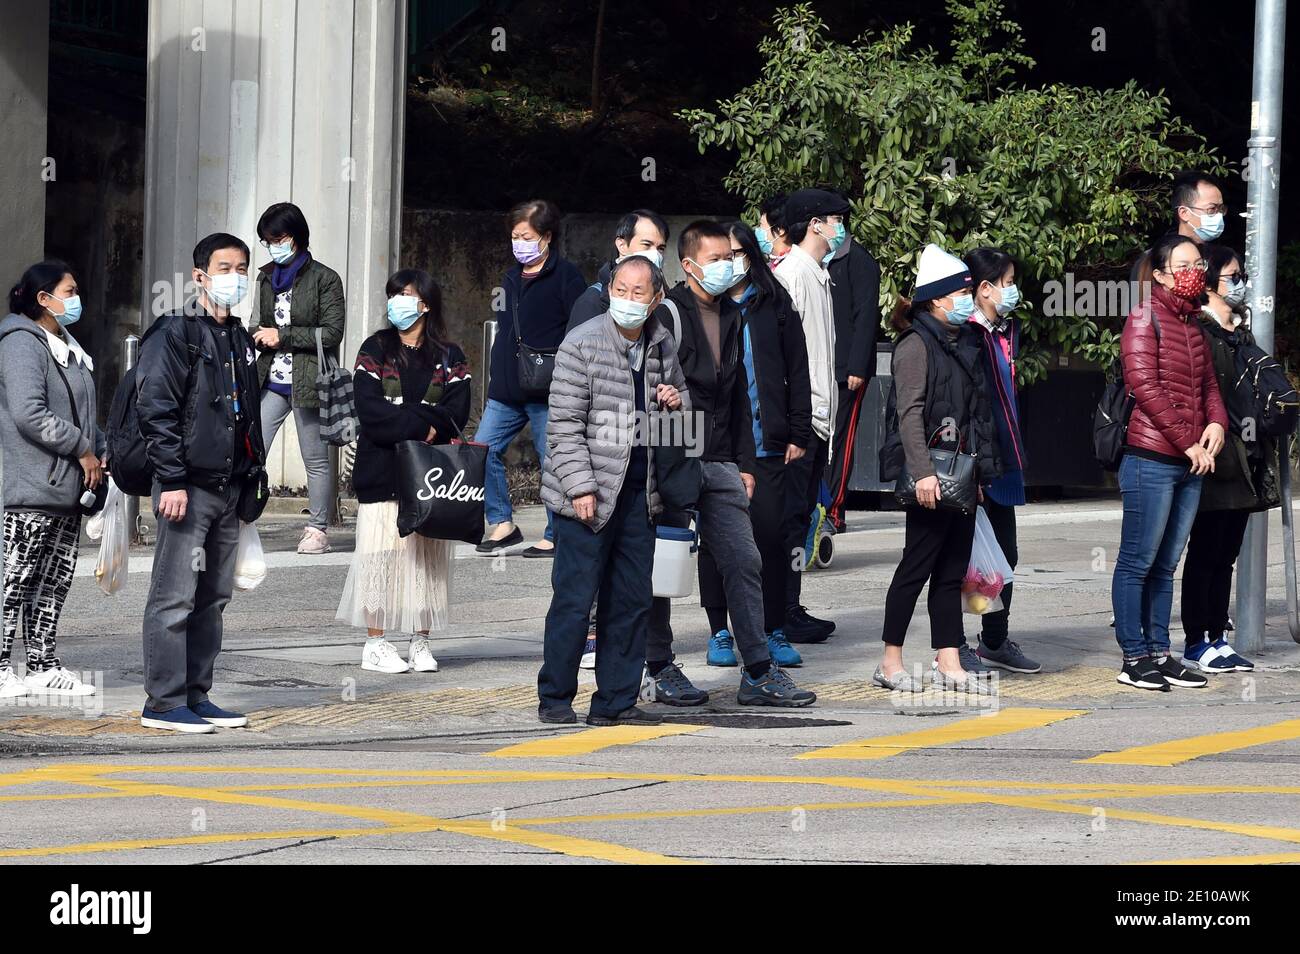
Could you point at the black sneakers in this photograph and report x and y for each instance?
(801, 627)
(1143, 674)
(1176, 675)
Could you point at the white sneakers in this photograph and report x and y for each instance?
(379, 655)
(421, 657)
(313, 541)
(11, 686)
(58, 682)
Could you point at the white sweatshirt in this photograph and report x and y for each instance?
(809, 285)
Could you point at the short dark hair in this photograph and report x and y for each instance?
(215, 243)
(541, 214)
(1217, 258)
(656, 273)
(774, 209)
(628, 223)
(987, 264)
(42, 277)
(284, 218)
(1186, 185)
(688, 243)
(1164, 248)
(796, 232)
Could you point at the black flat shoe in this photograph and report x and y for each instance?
(514, 537)
(565, 716)
(629, 716)
(539, 552)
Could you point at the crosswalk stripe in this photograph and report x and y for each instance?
(1003, 722)
(592, 740)
(1178, 751)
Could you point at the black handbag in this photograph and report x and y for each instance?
(679, 476)
(253, 495)
(441, 489)
(536, 366)
(958, 486)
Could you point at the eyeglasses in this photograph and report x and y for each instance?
(1229, 276)
(1209, 210)
(1180, 269)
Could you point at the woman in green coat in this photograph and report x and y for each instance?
(296, 297)
(1244, 481)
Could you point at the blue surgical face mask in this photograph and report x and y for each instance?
(764, 241)
(1010, 298)
(1211, 226)
(1236, 293)
(836, 239)
(281, 253)
(627, 313)
(717, 276)
(963, 307)
(71, 311)
(227, 289)
(403, 311)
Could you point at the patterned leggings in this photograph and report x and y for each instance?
(40, 557)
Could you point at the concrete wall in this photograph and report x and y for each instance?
(24, 84)
(252, 102)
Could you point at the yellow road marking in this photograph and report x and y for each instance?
(593, 740)
(1184, 750)
(963, 730)
(1284, 858)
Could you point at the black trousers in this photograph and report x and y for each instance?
(1212, 549)
(936, 549)
(803, 484)
(845, 438)
(768, 512)
(1003, 520)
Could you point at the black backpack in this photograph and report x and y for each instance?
(1110, 420)
(1262, 391)
(128, 458)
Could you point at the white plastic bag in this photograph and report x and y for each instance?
(114, 543)
(988, 572)
(250, 561)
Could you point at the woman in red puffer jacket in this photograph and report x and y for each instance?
(1177, 428)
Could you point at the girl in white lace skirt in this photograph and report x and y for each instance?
(410, 384)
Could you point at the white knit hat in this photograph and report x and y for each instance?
(940, 274)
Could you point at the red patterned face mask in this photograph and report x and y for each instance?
(1189, 283)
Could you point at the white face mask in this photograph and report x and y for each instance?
(652, 254)
(627, 313)
(228, 289)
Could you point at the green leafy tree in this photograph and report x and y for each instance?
(1065, 178)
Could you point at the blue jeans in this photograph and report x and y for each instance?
(1160, 502)
(499, 426)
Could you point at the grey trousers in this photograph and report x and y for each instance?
(315, 455)
(726, 529)
(193, 576)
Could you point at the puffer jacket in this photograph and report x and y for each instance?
(590, 427)
(1171, 376)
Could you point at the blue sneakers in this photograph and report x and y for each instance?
(1229, 655)
(782, 653)
(211, 712)
(180, 719)
(721, 652)
(1205, 657)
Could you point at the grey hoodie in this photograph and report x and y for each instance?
(38, 441)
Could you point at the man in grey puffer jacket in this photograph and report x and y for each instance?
(611, 376)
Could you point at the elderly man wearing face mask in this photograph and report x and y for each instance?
(609, 375)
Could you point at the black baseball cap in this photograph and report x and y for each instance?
(806, 204)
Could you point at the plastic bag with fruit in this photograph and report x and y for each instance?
(988, 572)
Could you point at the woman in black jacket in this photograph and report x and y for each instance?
(776, 368)
(1244, 479)
(539, 295)
(941, 400)
(411, 384)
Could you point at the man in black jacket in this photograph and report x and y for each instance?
(707, 325)
(855, 291)
(198, 411)
(640, 232)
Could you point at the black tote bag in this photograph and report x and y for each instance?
(441, 489)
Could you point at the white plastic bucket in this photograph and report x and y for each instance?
(674, 569)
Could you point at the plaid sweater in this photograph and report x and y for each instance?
(400, 403)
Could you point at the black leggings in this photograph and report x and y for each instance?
(937, 548)
(1212, 549)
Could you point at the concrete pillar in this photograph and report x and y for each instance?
(252, 102)
(24, 100)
